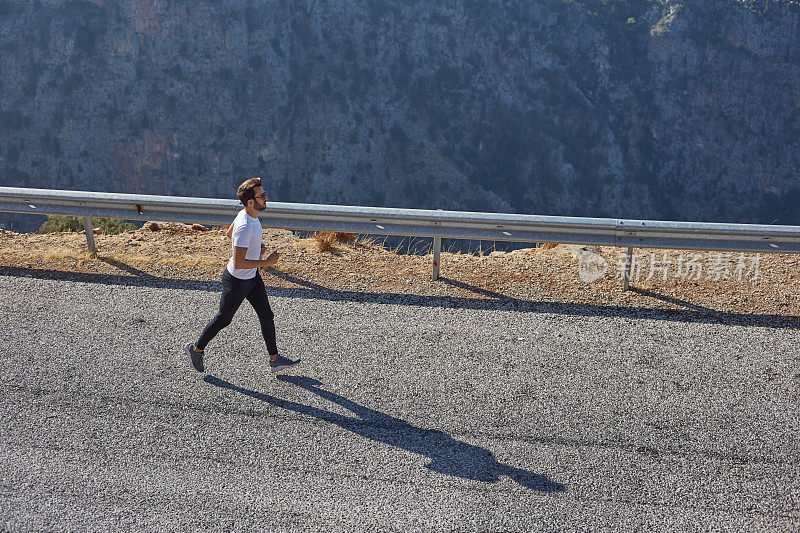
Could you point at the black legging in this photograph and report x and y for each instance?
(234, 291)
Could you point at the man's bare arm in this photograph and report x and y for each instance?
(240, 262)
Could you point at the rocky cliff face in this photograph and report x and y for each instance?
(627, 108)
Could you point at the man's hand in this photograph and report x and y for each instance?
(272, 259)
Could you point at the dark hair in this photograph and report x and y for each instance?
(246, 190)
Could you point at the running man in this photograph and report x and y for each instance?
(241, 279)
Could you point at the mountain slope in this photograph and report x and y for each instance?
(631, 108)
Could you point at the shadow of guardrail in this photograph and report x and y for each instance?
(490, 301)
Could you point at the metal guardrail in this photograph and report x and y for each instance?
(412, 222)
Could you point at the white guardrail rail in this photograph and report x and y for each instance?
(411, 222)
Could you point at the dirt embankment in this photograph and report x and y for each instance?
(708, 283)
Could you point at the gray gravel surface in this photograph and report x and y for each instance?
(402, 416)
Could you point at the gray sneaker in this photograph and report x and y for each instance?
(281, 363)
(196, 359)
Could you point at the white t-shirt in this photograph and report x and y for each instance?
(246, 234)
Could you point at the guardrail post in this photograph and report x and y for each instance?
(437, 252)
(626, 275)
(87, 227)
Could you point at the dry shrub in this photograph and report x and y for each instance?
(368, 241)
(326, 240)
(347, 238)
(548, 245)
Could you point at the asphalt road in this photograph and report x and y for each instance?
(406, 414)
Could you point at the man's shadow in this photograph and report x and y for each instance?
(447, 455)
